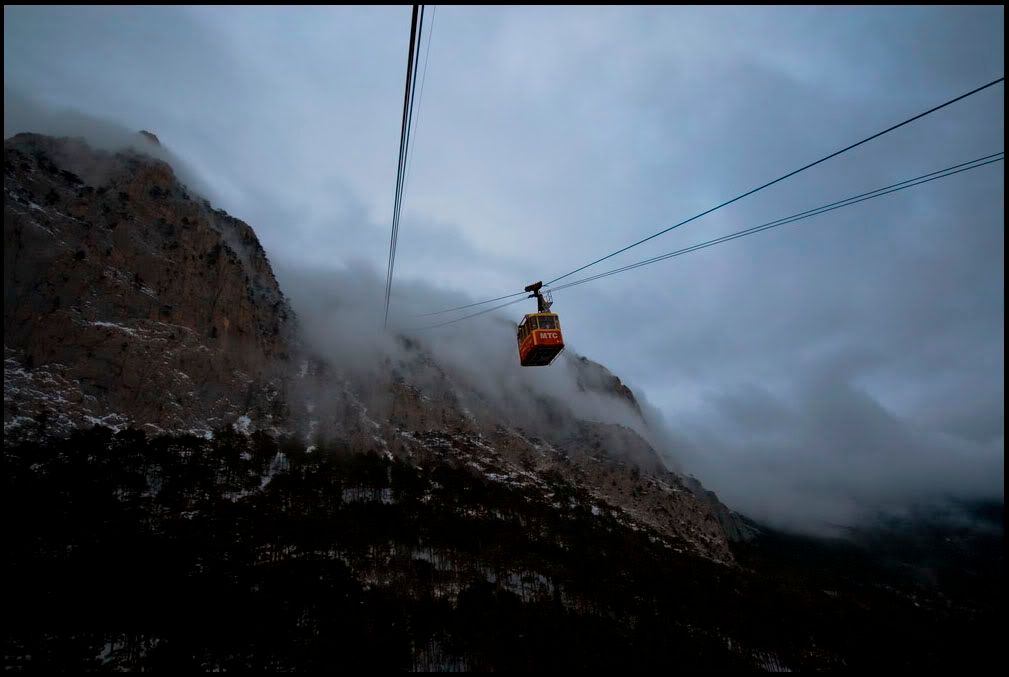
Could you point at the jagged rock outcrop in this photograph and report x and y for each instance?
(736, 527)
(127, 298)
(593, 376)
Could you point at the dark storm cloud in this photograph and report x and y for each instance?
(811, 374)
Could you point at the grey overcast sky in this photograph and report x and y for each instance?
(851, 360)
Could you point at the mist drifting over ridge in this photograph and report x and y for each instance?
(824, 457)
(23, 114)
(341, 314)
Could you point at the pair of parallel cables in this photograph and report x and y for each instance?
(879, 192)
(406, 133)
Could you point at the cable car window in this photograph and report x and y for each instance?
(547, 322)
(531, 323)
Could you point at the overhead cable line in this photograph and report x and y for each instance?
(846, 202)
(738, 197)
(480, 312)
(910, 183)
(471, 305)
(781, 178)
(420, 97)
(409, 127)
(416, 25)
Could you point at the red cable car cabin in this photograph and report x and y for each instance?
(539, 334)
(540, 339)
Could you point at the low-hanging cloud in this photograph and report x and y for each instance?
(23, 114)
(827, 454)
(341, 314)
(821, 456)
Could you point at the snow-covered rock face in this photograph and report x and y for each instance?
(128, 298)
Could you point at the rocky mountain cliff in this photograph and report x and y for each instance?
(128, 299)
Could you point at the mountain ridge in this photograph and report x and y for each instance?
(150, 308)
